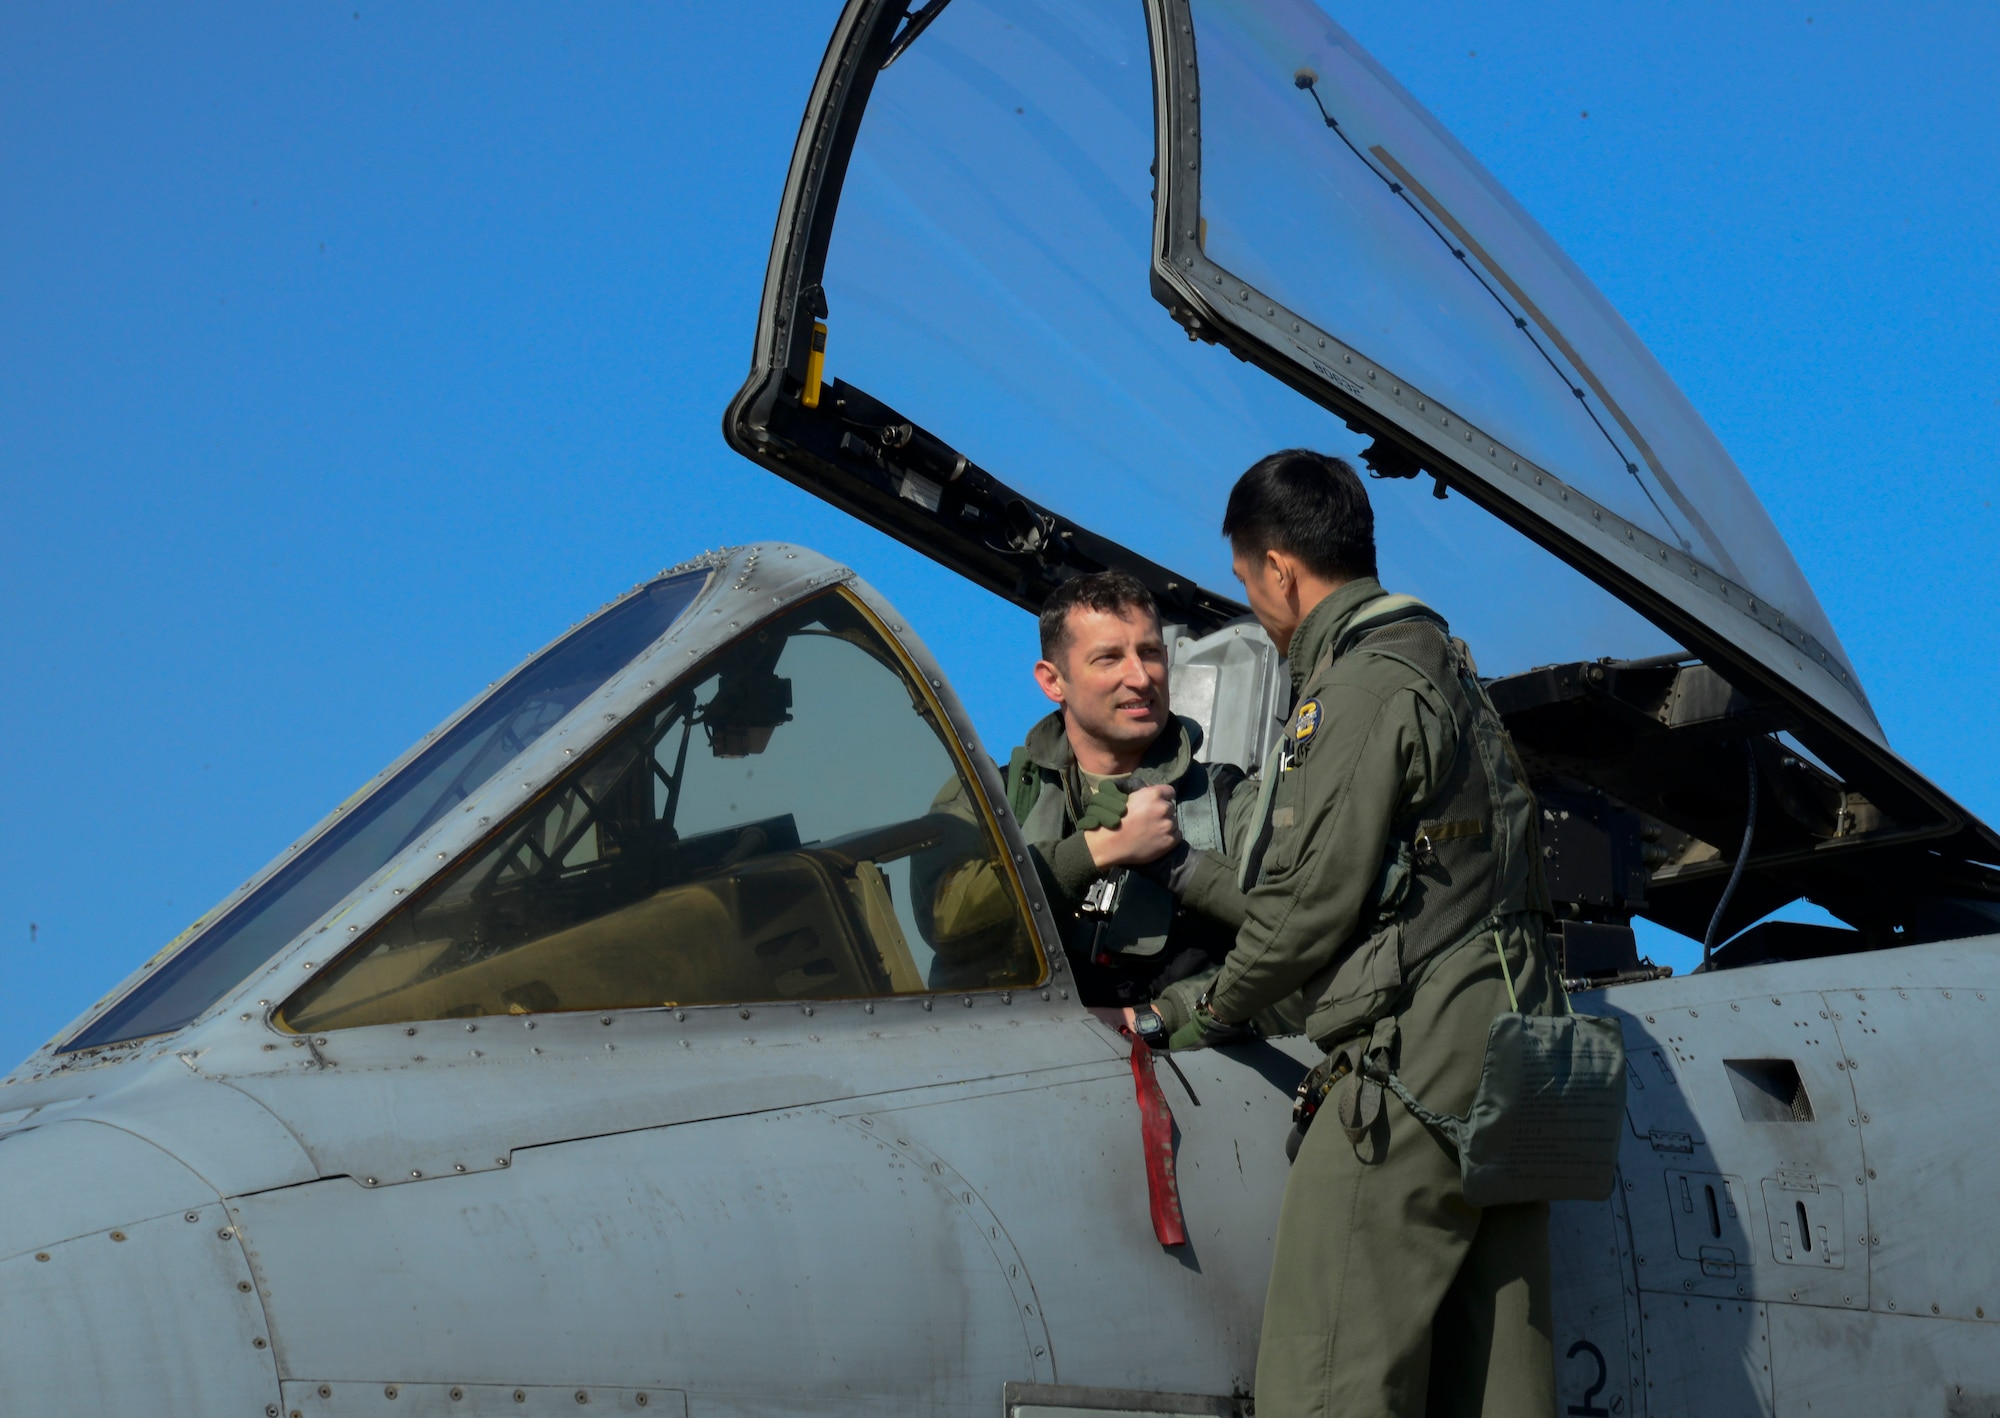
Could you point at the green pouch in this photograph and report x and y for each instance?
(1546, 1120)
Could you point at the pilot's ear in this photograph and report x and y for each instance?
(1050, 679)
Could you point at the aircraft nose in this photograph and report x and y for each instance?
(123, 1286)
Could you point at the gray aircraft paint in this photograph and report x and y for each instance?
(928, 1203)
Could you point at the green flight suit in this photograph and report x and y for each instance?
(1049, 794)
(1396, 846)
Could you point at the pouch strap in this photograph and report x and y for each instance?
(1455, 1130)
(1499, 949)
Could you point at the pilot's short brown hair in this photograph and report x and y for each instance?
(1111, 592)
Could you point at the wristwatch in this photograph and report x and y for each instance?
(1148, 1025)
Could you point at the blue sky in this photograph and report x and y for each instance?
(348, 354)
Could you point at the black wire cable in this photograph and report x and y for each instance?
(1742, 856)
(1309, 81)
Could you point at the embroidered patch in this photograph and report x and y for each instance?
(1307, 722)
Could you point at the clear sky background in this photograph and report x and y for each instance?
(349, 355)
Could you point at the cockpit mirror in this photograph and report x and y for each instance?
(748, 708)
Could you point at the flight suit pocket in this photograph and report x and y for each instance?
(1363, 986)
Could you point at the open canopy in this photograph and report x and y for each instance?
(1049, 276)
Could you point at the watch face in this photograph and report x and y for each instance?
(1149, 1022)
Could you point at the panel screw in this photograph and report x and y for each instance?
(244, 1286)
(367, 1181)
(326, 1391)
(743, 1014)
(582, 1397)
(457, 1394)
(458, 1166)
(472, 1028)
(416, 1176)
(191, 1216)
(520, 1397)
(225, 1234)
(41, 1255)
(117, 1235)
(389, 1391)
(258, 1341)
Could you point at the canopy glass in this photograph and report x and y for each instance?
(988, 276)
(364, 836)
(1326, 186)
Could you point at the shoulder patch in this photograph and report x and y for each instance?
(1306, 723)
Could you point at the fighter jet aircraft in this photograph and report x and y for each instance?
(679, 1028)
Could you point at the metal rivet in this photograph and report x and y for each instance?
(807, 1010)
(227, 1233)
(582, 1397)
(472, 1028)
(389, 1391)
(868, 1008)
(258, 1341)
(416, 1176)
(520, 1397)
(927, 1004)
(191, 1216)
(968, 1001)
(743, 1014)
(605, 1020)
(457, 1394)
(244, 1286)
(367, 1181)
(41, 1255)
(411, 1032)
(117, 1235)
(326, 1391)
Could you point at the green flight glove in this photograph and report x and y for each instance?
(1106, 808)
(1189, 1026)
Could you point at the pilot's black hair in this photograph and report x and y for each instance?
(1309, 505)
(1112, 592)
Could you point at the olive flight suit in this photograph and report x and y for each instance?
(1394, 848)
(1201, 904)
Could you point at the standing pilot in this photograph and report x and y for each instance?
(1392, 848)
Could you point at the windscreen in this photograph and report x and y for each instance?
(989, 277)
(370, 833)
(1326, 186)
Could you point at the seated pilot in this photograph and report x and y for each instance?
(1129, 833)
